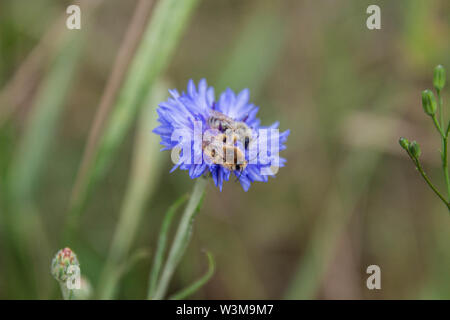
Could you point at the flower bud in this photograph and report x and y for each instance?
(428, 102)
(439, 77)
(61, 262)
(414, 149)
(404, 143)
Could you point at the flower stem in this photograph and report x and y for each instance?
(441, 115)
(66, 292)
(444, 139)
(437, 125)
(161, 247)
(445, 164)
(424, 175)
(181, 239)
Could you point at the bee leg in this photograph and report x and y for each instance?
(246, 142)
(238, 167)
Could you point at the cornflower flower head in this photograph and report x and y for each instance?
(220, 136)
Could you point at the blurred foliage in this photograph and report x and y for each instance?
(347, 198)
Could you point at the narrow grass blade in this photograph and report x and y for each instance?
(131, 40)
(162, 240)
(144, 176)
(43, 121)
(181, 239)
(183, 294)
(19, 86)
(24, 226)
(167, 23)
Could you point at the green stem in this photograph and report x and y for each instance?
(162, 240)
(424, 175)
(441, 115)
(181, 239)
(66, 292)
(437, 125)
(445, 164)
(444, 139)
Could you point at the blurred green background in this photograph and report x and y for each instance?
(347, 198)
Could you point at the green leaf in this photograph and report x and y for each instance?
(181, 239)
(197, 284)
(143, 180)
(163, 235)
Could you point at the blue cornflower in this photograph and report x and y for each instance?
(187, 118)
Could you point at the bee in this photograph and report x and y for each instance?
(238, 129)
(238, 162)
(243, 133)
(228, 156)
(219, 121)
(229, 137)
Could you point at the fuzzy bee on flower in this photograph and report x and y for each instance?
(219, 137)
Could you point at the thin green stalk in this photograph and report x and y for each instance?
(437, 125)
(159, 253)
(181, 239)
(66, 292)
(445, 163)
(144, 176)
(444, 140)
(440, 102)
(157, 46)
(424, 175)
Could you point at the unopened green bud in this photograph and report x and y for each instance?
(428, 102)
(439, 77)
(414, 149)
(404, 143)
(63, 259)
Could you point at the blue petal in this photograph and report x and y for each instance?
(179, 112)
